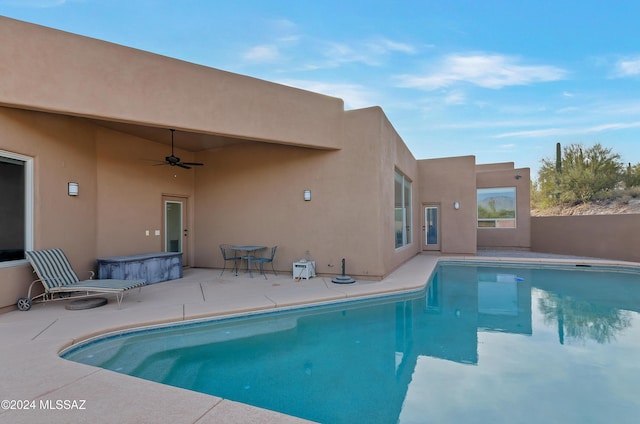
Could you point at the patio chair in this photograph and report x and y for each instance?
(261, 260)
(60, 282)
(229, 255)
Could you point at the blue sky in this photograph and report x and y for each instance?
(501, 80)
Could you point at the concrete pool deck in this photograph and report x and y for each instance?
(45, 388)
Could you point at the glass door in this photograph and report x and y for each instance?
(431, 227)
(175, 228)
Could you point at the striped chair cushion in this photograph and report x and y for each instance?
(52, 267)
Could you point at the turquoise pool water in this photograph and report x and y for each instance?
(482, 343)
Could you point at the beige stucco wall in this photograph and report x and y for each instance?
(249, 193)
(120, 191)
(86, 77)
(62, 150)
(597, 236)
(504, 175)
(129, 192)
(443, 182)
(252, 194)
(498, 166)
(393, 154)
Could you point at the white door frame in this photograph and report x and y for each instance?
(183, 244)
(428, 232)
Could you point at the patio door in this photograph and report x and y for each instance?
(431, 227)
(176, 231)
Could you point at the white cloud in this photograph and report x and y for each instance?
(284, 25)
(554, 132)
(285, 31)
(547, 132)
(620, 107)
(265, 53)
(371, 53)
(341, 52)
(627, 67)
(613, 126)
(384, 46)
(484, 70)
(455, 97)
(355, 96)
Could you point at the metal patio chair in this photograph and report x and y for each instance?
(261, 260)
(229, 255)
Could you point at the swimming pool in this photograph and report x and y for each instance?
(482, 343)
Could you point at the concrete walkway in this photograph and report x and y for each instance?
(47, 389)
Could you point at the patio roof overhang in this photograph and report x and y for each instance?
(145, 94)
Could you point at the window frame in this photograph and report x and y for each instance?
(404, 212)
(28, 204)
(496, 221)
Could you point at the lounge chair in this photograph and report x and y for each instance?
(60, 282)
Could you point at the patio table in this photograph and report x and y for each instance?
(249, 254)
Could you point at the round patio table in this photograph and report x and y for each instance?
(248, 254)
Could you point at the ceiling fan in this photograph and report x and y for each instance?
(173, 160)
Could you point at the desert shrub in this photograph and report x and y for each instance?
(580, 175)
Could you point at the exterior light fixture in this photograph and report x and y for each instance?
(456, 205)
(72, 189)
(518, 177)
(307, 195)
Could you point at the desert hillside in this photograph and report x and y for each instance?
(594, 208)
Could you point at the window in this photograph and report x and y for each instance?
(497, 207)
(402, 190)
(16, 176)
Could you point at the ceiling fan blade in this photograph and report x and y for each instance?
(182, 165)
(193, 163)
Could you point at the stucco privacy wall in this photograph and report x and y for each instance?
(86, 77)
(443, 182)
(504, 175)
(252, 194)
(597, 236)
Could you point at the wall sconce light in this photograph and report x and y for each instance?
(307, 195)
(72, 189)
(518, 177)
(456, 205)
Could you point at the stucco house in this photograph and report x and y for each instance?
(80, 110)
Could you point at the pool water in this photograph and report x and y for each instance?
(482, 343)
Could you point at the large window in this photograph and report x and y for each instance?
(497, 207)
(403, 220)
(16, 206)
